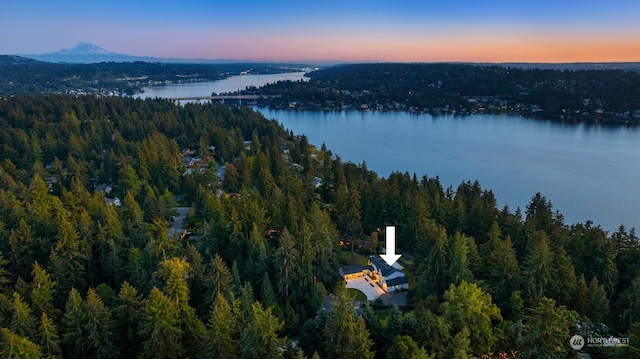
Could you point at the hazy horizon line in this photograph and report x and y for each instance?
(310, 62)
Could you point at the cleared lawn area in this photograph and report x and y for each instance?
(345, 258)
(356, 294)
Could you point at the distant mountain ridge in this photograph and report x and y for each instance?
(85, 52)
(84, 49)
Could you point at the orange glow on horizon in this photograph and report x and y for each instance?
(501, 50)
(437, 46)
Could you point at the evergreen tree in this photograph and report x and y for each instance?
(458, 260)
(137, 268)
(348, 210)
(634, 337)
(42, 292)
(235, 279)
(267, 295)
(286, 263)
(5, 276)
(256, 263)
(100, 337)
(259, 339)
(564, 282)
(306, 253)
(345, 336)
(67, 259)
(311, 337)
(175, 272)
(128, 180)
(432, 332)
(223, 331)
(489, 249)
(547, 330)
(598, 302)
(393, 325)
(131, 216)
(128, 315)
(580, 302)
(539, 212)
(160, 246)
(159, 327)
(246, 299)
(23, 323)
(74, 321)
(14, 346)
(49, 340)
(475, 260)
(110, 245)
(504, 274)
(362, 343)
(594, 255)
(433, 268)
(460, 347)
(627, 245)
(218, 280)
(21, 252)
(374, 327)
(324, 242)
(467, 305)
(629, 304)
(403, 347)
(539, 270)
(194, 330)
(340, 329)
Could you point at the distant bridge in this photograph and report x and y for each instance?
(219, 98)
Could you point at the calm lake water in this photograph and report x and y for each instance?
(588, 172)
(231, 84)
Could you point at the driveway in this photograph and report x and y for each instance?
(366, 285)
(176, 225)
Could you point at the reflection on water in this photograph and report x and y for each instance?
(588, 172)
(231, 84)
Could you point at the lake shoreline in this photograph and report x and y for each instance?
(585, 169)
(576, 121)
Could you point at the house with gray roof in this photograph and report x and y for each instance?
(389, 278)
(352, 271)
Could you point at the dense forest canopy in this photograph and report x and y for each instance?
(84, 275)
(593, 95)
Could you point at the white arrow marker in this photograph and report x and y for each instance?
(391, 257)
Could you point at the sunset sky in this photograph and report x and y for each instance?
(330, 30)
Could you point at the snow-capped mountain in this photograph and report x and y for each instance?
(85, 52)
(83, 49)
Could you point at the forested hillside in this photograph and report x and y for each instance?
(91, 272)
(19, 75)
(576, 95)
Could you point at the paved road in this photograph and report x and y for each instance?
(176, 225)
